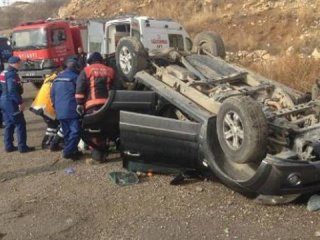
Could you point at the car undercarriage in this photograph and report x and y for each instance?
(256, 135)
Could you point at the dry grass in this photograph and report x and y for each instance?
(294, 71)
(163, 9)
(274, 30)
(306, 14)
(40, 9)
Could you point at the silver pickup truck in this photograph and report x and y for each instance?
(257, 136)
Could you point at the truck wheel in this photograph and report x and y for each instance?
(131, 57)
(210, 42)
(242, 130)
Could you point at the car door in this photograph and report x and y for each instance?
(158, 140)
(105, 121)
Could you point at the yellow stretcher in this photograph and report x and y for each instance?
(42, 104)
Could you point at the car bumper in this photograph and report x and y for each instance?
(277, 176)
(34, 75)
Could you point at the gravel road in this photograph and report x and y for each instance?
(39, 200)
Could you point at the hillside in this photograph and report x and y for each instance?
(22, 11)
(245, 24)
(276, 38)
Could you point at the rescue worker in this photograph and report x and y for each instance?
(93, 85)
(42, 106)
(12, 106)
(82, 58)
(63, 99)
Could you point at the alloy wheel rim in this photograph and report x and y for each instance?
(125, 57)
(233, 131)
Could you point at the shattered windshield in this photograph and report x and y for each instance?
(29, 39)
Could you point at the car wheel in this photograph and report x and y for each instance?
(242, 130)
(131, 57)
(209, 43)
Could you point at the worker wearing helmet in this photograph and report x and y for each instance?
(92, 92)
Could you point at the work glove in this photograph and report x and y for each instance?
(80, 109)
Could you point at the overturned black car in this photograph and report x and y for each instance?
(259, 137)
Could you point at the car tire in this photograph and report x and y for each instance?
(210, 42)
(242, 130)
(131, 57)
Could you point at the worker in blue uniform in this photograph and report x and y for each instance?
(12, 107)
(63, 93)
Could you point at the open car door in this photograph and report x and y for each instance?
(155, 142)
(105, 121)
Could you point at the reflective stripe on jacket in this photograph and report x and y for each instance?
(94, 84)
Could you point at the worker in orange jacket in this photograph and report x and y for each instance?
(92, 92)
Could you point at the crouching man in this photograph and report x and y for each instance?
(42, 106)
(63, 99)
(92, 93)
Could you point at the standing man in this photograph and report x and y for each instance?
(13, 107)
(64, 102)
(93, 87)
(82, 58)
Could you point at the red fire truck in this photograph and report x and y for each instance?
(44, 46)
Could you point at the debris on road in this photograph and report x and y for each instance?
(124, 178)
(186, 175)
(141, 174)
(314, 203)
(70, 171)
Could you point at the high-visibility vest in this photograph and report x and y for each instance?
(42, 104)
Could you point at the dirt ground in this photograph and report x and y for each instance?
(38, 200)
